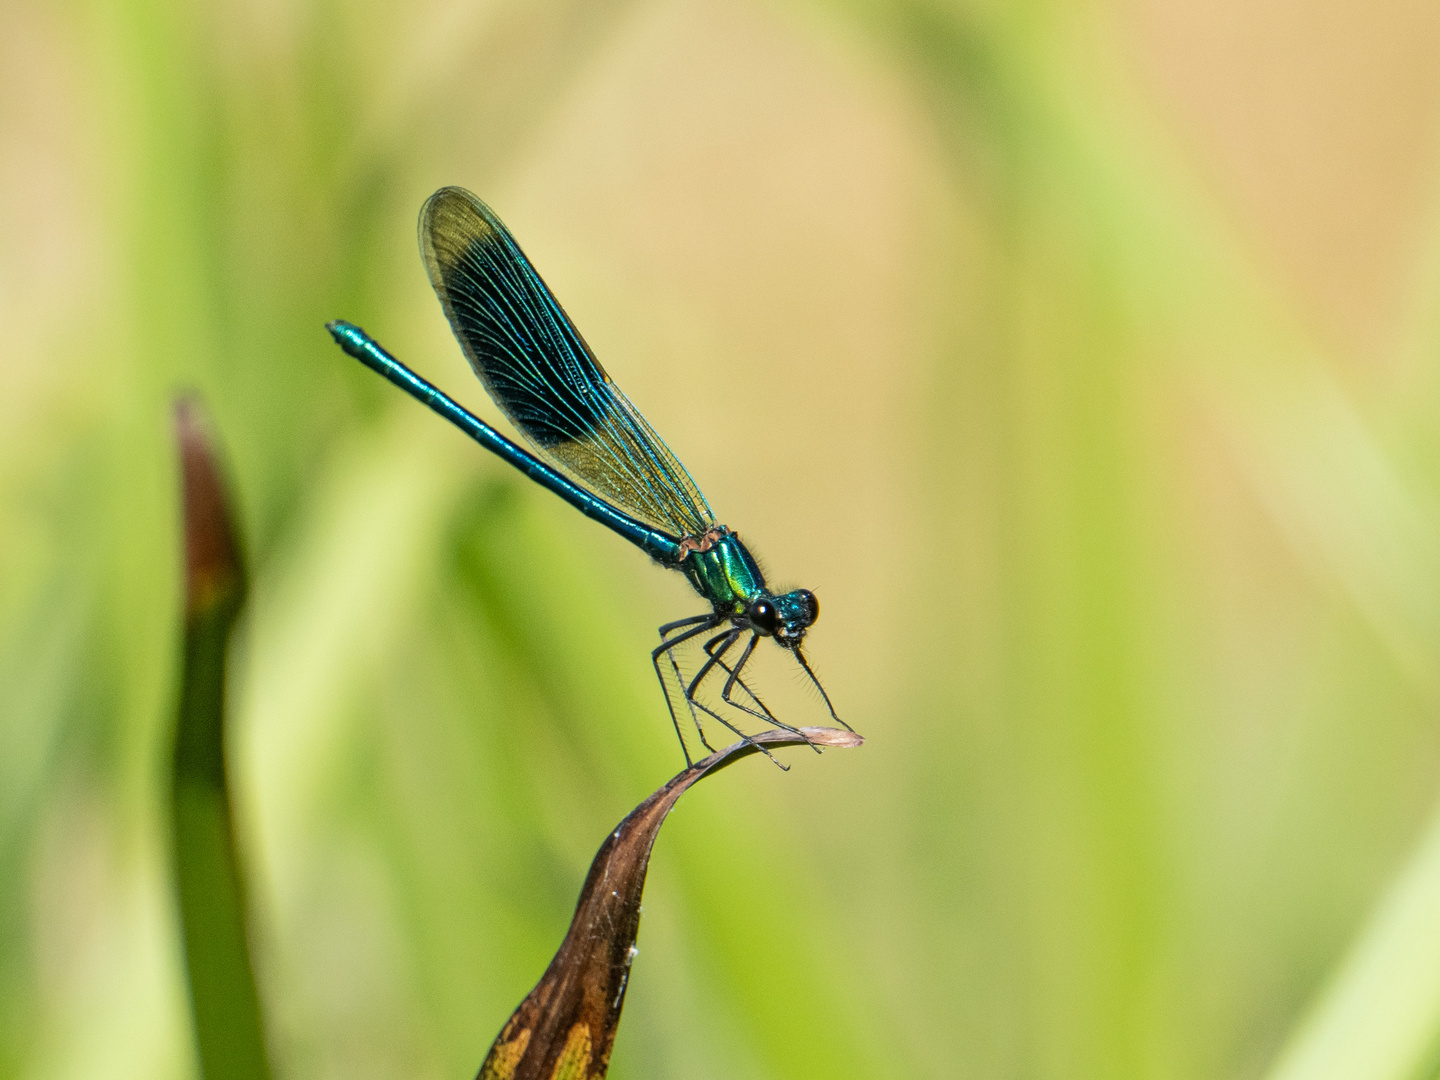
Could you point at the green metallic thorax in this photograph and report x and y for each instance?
(725, 574)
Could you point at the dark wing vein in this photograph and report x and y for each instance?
(539, 370)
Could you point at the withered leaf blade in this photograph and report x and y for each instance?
(565, 1028)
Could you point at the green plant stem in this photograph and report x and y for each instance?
(209, 882)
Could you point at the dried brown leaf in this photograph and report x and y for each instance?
(565, 1028)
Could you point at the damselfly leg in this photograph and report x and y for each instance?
(698, 624)
(725, 640)
(805, 664)
(735, 679)
(715, 650)
(767, 716)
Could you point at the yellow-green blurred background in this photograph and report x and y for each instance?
(1083, 358)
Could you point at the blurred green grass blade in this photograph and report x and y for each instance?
(1380, 1018)
(565, 1028)
(209, 883)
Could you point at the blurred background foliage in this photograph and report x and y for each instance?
(1083, 358)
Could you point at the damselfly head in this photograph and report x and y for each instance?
(787, 616)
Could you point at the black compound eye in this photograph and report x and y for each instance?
(764, 617)
(811, 602)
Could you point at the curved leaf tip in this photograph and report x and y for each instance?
(565, 1029)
